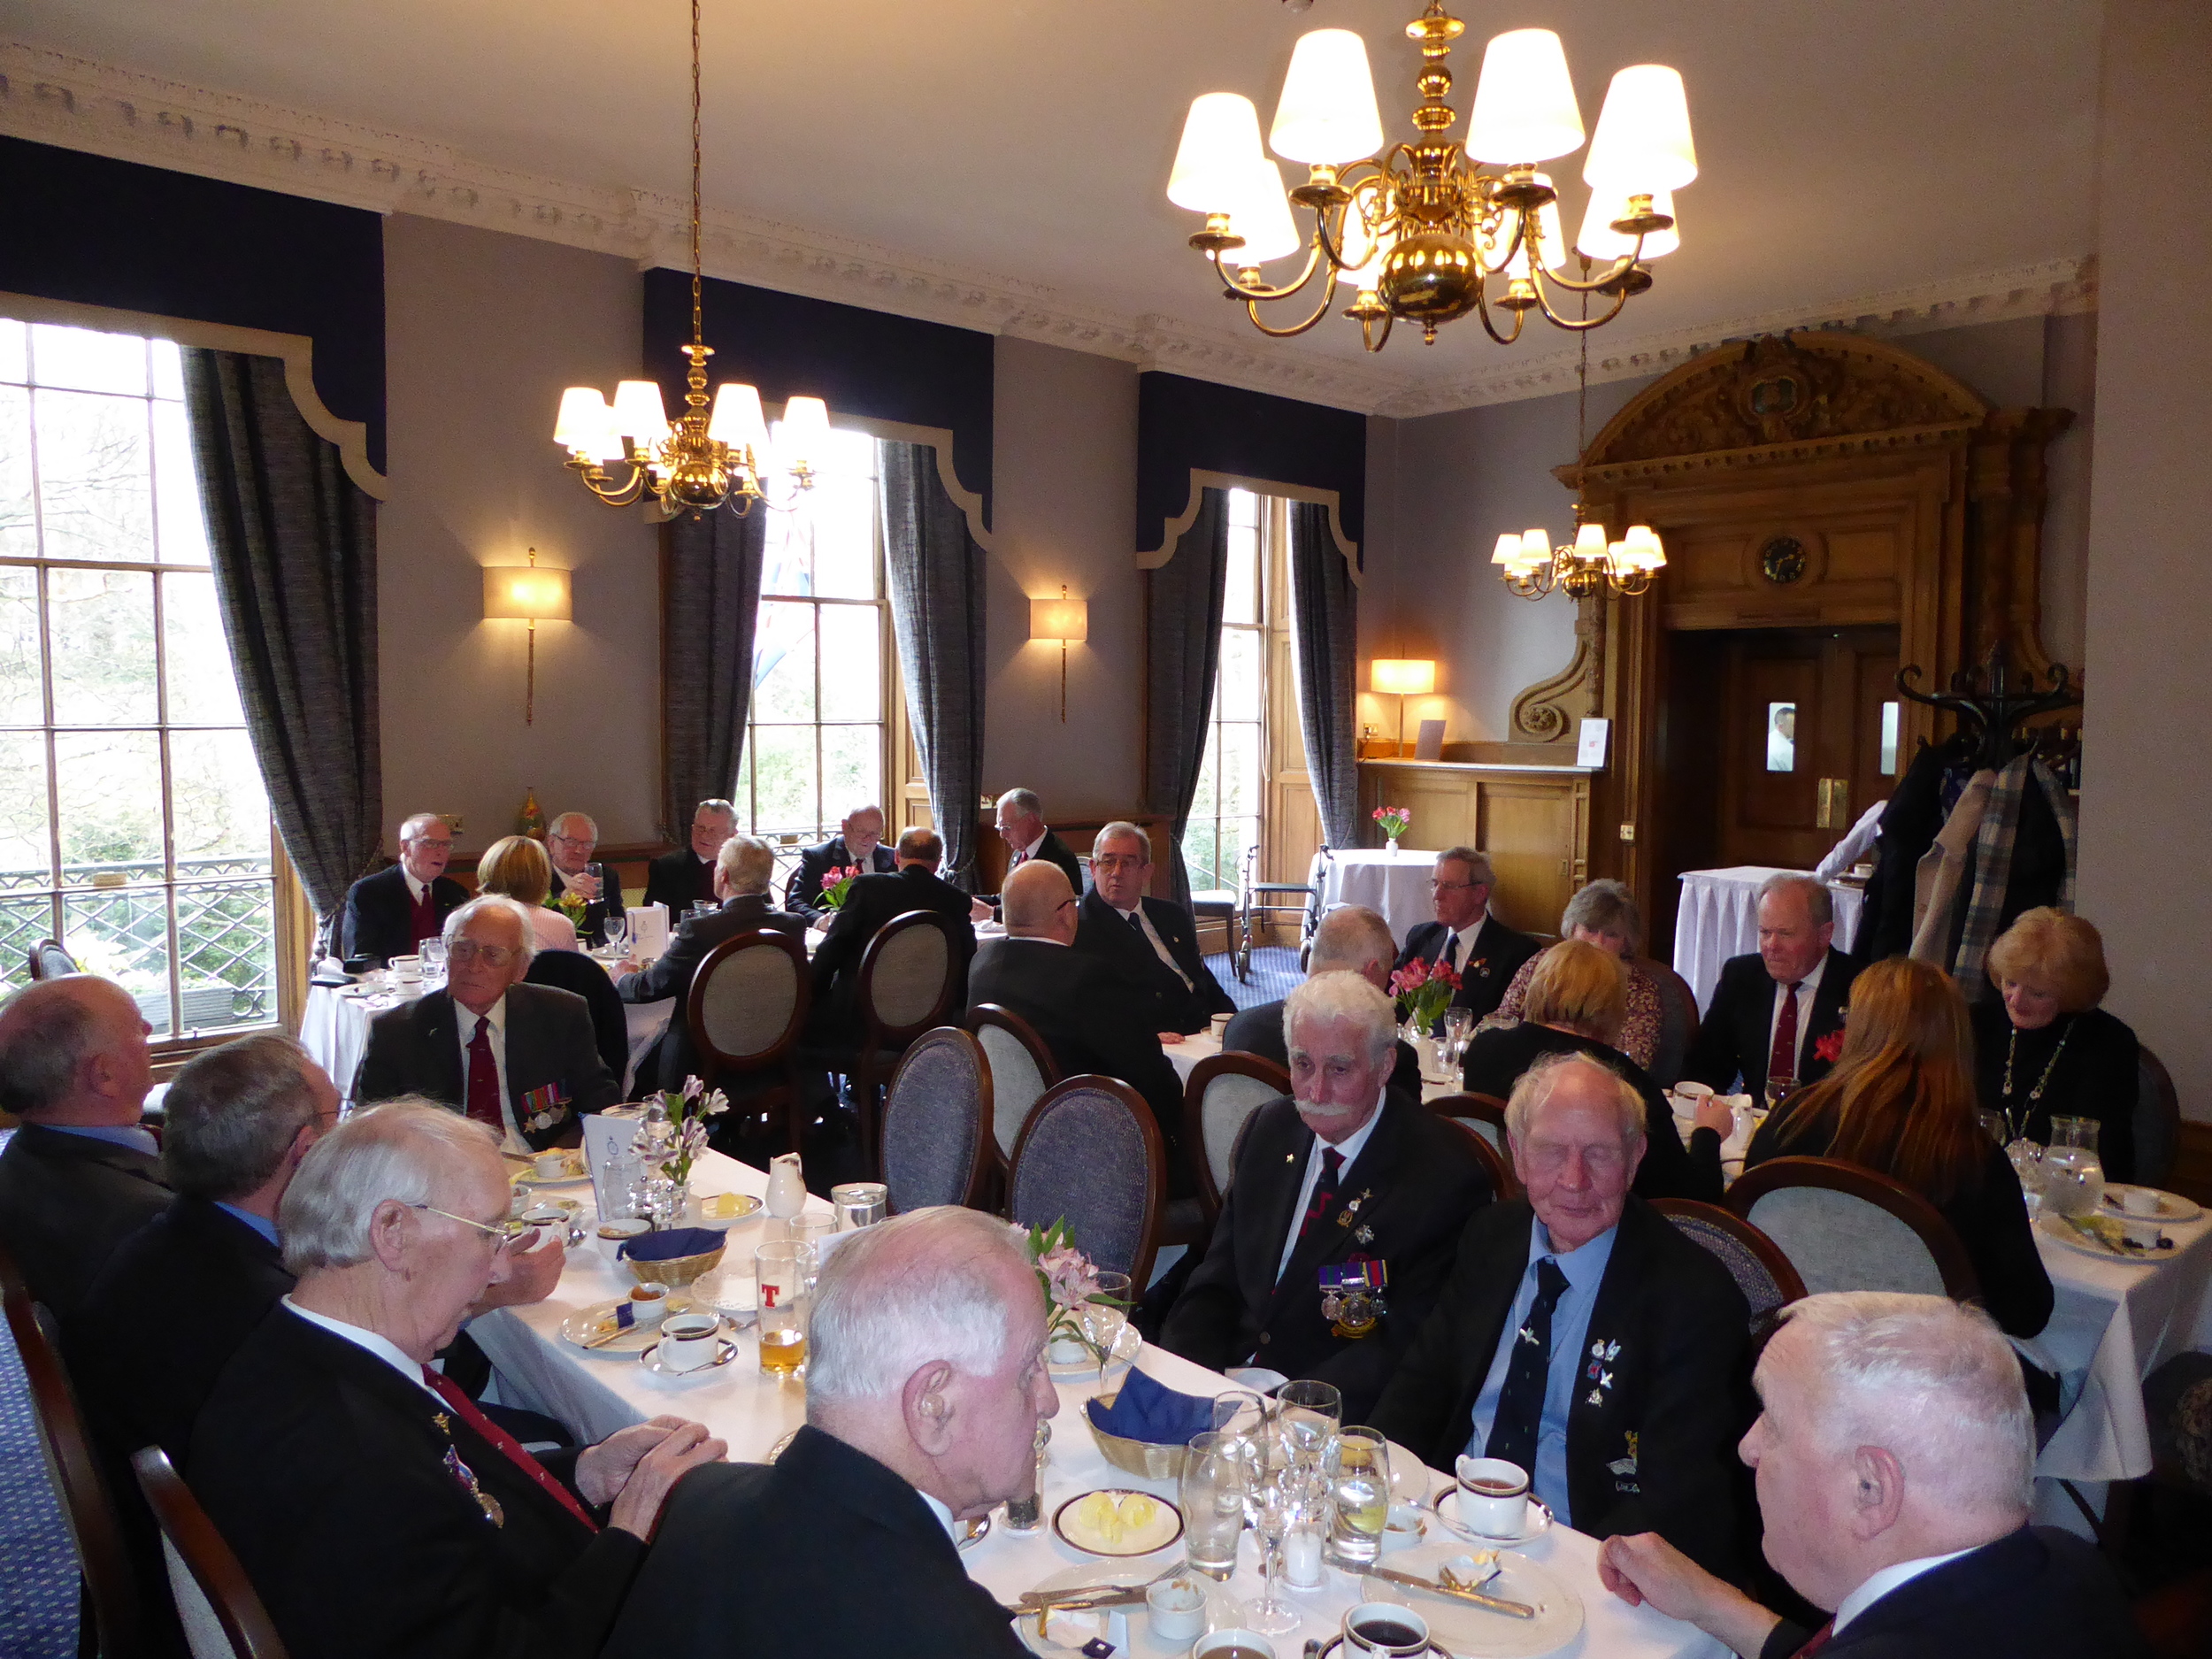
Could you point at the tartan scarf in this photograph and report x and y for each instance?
(1993, 863)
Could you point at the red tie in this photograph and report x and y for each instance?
(1817, 1641)
(483, 1079)
(425, 909)
(1323, 1191)
(1781, 1063)
(506, 1444)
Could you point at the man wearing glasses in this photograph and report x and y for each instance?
(1482, 950)
(570, 842)
(390, 913)
(1148, 940)
(520, 1059)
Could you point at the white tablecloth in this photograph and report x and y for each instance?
(1719, 918)
(596, 1393)
(1394, 884)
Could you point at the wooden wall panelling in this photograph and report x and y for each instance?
(1532, 820)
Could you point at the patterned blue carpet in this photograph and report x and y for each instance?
(1274, 975)
(38, 1586)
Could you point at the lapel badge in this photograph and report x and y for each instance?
(1364, 1233)
(1352, 1209)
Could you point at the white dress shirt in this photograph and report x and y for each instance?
(1030, 851)
(465, 1029)
(1883, 1580)
(1348, 1150)
(1143, 925)
(943, 1510)
(1807, 988)
(369, 1342)
(415, 889)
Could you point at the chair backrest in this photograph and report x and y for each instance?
(1222, 1093)
(51, 961)
(1764, 1275)
(1091, 1153)
(223, 1617)
(1021, 1071)
(906, 974)
(111, 1589)
(934, 1120)
(1845, 1227)
(749, 1000)
(1503, 1185)
(1483, 1117)
(1678, 1020)
(573, 971)
(2157, 1119)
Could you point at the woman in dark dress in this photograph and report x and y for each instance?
(2046, 1050)
(1575, 1001)
(1900, 1102)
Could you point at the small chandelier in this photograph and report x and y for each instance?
(699, 462)
(1418, 231)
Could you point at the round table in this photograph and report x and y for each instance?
(1394, 884)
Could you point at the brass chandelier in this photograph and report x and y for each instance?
(697, 461)
(1419, 231)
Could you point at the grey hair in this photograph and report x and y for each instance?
(1350, 937)
(715, 803)
(1343, 996)
(1024, 801)
(47, 1032)
(913, 1290)
(232, 1114)
(1930, 1380)
(414, 826)
(493, 901)
(400, 1152)
(1543, 1080)
(1605, 906)
(1478, 862)
(1820, 903)
(1122, 827)
(590, 823)
(747, 863)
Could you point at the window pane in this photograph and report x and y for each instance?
(103, 632)
(95, 475)
(168, 360)
(742, 791)
(19, 529)
(843, 511)
(89, 362)
(1237, 697)
(25, 849)
(1208, 792)
(783, 782)
(109, 784)
(1781, 737)
(1889, 740)
(1240, 770)
(1244, 508)
(23, 923)
(218, 809)
(20, 701)
(786, 564)
(177, 489)
(783, 664)
(202, 686)
(124, 937)
(1198, 843)
(852, 663)
(14, 363)
(852, 769)
(226, 938)
(1241, 599)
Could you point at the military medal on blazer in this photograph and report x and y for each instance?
(1352, 1296)
(543, 1107)
(467, 1476)
(1597, 1371)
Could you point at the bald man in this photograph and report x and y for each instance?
(80, 1175)
(390, 913)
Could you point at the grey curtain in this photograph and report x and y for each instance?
(293, 543)
(936, 572)
(1182, 631)
(1325, 621)
(711, 567)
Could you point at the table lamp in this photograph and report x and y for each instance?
(1403, 677)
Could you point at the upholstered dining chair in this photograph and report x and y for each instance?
(2157, 1119)
(1021, 1071)
(1764, 1275)
(111, 1590)
(573, 971)
(905, 987)
(1678, 1021)
(747, 1007)
(1091, 1153)
(1222, 1092)
(1504, 1184)
(222, 1616)
(1845, 1227)
(1483, 1116)
(49, 960)
(936, 1115)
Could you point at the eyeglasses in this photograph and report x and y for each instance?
(1449, 887)
(469, 950)
(508, 1232)
(570, 841)
(1118, 861)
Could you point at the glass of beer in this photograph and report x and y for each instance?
(782, 1270)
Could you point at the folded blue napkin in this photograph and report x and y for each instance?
(1148, 1409)
(666, 1247)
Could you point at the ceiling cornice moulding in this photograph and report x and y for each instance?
(58, 97)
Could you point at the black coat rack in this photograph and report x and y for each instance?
(1989, 713)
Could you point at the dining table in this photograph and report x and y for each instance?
(1394, 884)
(595, 1393)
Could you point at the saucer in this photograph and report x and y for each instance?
(724, 1351)
(580, 1326)
(2171, 1206)
(1447, 1511)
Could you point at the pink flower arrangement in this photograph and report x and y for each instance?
(1071, 1282)
(837, 885)
(1393, 820)
(687, 1113)
(1424, 989)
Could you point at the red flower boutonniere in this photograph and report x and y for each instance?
(1828, 1048)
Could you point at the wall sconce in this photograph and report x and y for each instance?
(525, 592)
(1403, 678)
(1067, 620)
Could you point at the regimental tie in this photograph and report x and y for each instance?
(1521, 1401)
(1817, 1641)
(1782, 1061)
(1323, 1191)
(502, 1442)
(483, 1079)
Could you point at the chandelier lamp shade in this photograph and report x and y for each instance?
(1428, 231)
(705, 459)
(1589, 565)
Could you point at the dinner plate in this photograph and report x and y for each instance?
(1447, 1508)
(1129, 1628)
(1472, 1632)
(580, 1326)
(1124, 1353)
(747, 1206)
(2171, 1206)
(724, 1351)
(2055, 1227)
(1164, 1527)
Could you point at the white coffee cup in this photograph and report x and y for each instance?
(689, 1340)
(549, 1165)
(1493, 1496)
(1232, 1638)
(406, 968)
(1384, 1630)
(2140, 1201)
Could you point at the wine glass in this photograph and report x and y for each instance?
(617, 932)
(1101, 1322)
(1459, 1031)
(432, 959)
(1308, 1420)
(1281, 1492)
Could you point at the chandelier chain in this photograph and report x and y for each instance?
(698, 334)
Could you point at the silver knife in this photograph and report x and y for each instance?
(1512, 1609)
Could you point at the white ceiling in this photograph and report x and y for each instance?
(1850, 148)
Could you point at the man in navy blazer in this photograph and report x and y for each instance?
(685, 877)
(860, 842)
(570, 842)
(1149, 939)
(390, 913)
(1896, 1461)
(1480, 948)
(874, 900)
(1796, 980)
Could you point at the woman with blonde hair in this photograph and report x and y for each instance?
(2044, 1049)
(518, 868)
(1576, 1000)
(1604, 913)
(1900, 1101)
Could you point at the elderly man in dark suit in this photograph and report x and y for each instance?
(1351, 938)
(1482, 950)
(859, 841)
(743, 870)
(80, 1175)
(390, 913)
(1582, 1337)
(1343, 1172)
(372, 1504)
(1020, 823)
(1150, 940)
(923, 1390)
(1896, 1461)
(872, 902)
(570, 842)
(685, 877)
(1777, 1018)
(520, 1059)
